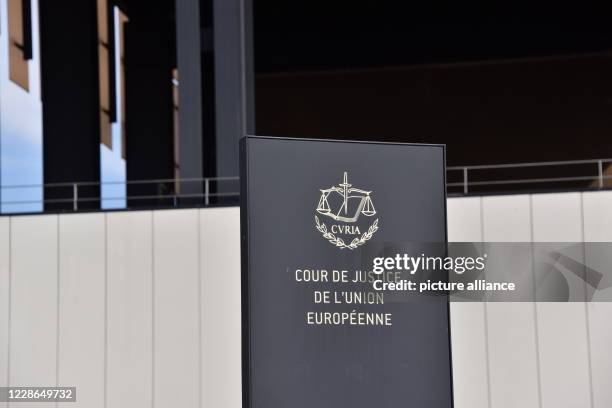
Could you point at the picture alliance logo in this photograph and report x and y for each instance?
(348, 212)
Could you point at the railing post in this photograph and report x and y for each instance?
(465, 180)
(600, 168)
(206, 191)
(75, 197)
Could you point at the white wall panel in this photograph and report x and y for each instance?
(562, 327)
(511, 327)
(34, 303)
(130, 309)
(176, 274)
(221, 314)
(4, 301)
(597, 208)
(464, 219)
(171, 280)
(600, 337)
(468, 332)
(82, 308)
(507, 218)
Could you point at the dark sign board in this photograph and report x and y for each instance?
(315, 333)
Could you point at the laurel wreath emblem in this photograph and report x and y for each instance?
(339, 242)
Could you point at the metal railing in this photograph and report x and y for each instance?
(461, 180)
(171, 191)
(576, 174)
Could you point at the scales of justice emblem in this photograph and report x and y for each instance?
(347, 205)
